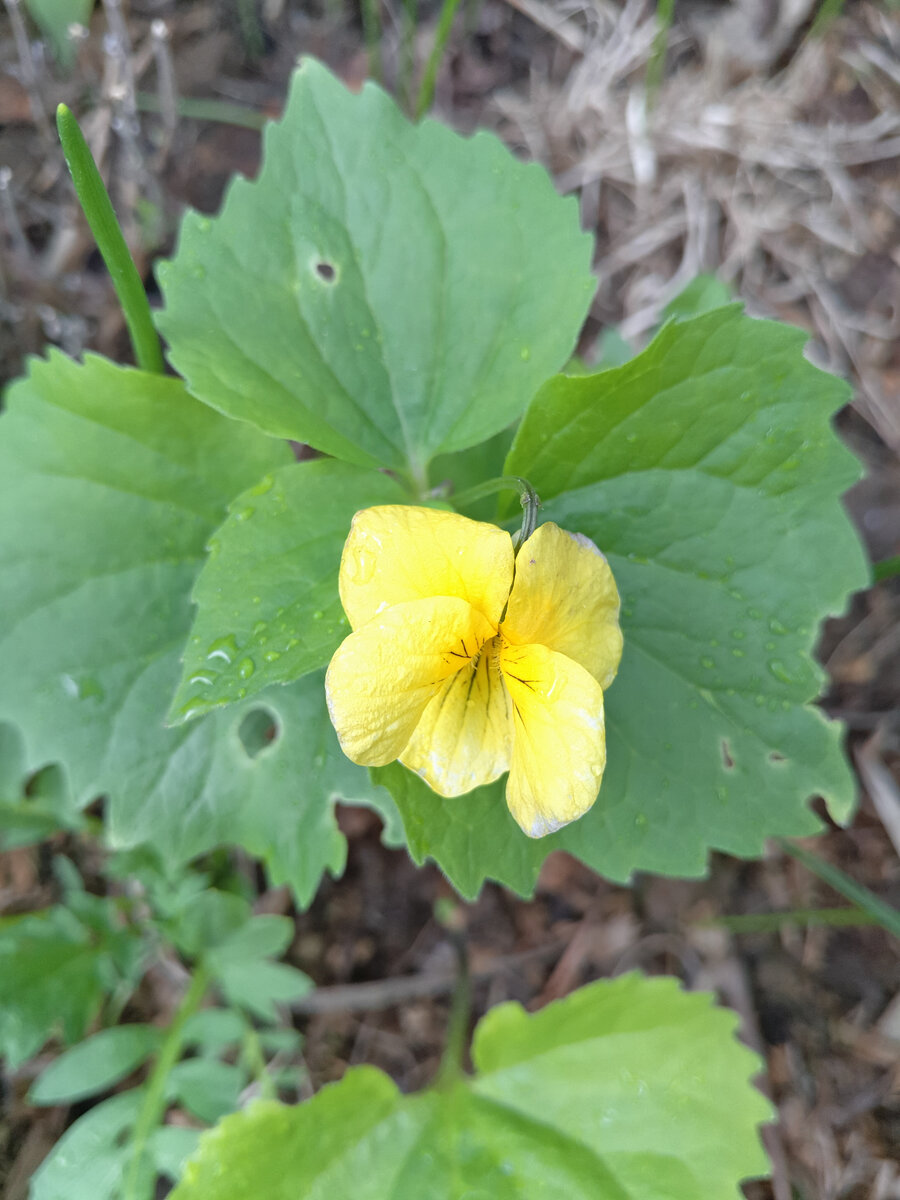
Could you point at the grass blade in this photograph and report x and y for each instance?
(883, 914)
(96, 205)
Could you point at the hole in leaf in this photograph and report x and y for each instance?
(258, 731)
(775, 757)
(326, 271)
(726, 756)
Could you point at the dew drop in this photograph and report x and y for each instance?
(777, 627)
(264, 485)
(244, 514)
(201, 679)
(361, 568)
(641, 821)
(737, 652)
(631, 438)
(198, 271)
(260, 627)
(780, 671)
(738, 635)
(271, 656)
(318, 615)
(707, 662)
(525, 354)
(246, 667)
(223, 647)
(203, 224)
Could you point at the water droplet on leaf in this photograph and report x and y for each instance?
(223, 647)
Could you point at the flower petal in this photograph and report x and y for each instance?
(382, 677)
(398, 552)
(565, 597)
(559, 740)
(464, 738)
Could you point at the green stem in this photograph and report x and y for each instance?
(195, 109)
(773, 922)
(95, 203)
(665, 12)
(407, 52)
(883, 914)
(451, 1067)
(429, 76)
(136, 1186)
(256, 1061)
(886, 569)
(371, 20)
(529, 498)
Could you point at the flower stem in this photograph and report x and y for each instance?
(137, 1183)
(460, 1010)
(529, 498)
(95, 203)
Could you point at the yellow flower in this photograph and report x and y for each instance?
(467, 660)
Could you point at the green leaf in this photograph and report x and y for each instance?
(170, 1148)
(54, 18)
(111, 482)
(52, 974)
(259, 985)
(628, 1089)
(701, 295)
(208, 921)
(214, 1029)
(468, 468)
(205, 1087)
(471, 837)
(707, 472)
(261, 937)
(31, 809)
(410, 288)
(88, 1161)
(267, 597)
(95, 1064)
(612, 349)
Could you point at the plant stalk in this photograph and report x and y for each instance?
(883, 914)
(528, 497)
(429, 76)
(148, 1119)
(451, 1067)
(97, 208)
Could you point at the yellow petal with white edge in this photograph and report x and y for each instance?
(382, 677)
(465, 736)
(398, 552)
(559, 739)
(565, 597)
